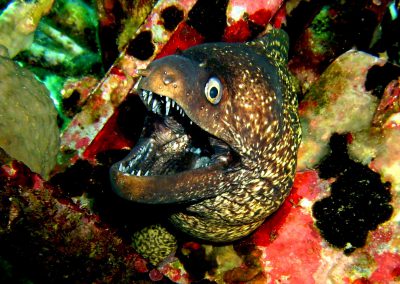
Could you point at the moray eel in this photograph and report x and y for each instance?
(221, 140)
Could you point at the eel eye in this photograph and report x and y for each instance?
(213, 90)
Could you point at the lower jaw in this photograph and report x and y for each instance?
(146, 176)
(184, 187)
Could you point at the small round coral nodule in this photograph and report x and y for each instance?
(154, 243)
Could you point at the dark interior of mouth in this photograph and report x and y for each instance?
(172, 143)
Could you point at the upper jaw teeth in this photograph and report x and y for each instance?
(167, 105)
(159, 104)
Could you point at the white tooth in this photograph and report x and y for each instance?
(149, 98)
(133, 172)
(177, 107)
(173, 103)
(154, 107)
(191, 122)
(147, 173)
(145, 94)
(130, 164)
(120, 167)
(139, 172)
(167, 106)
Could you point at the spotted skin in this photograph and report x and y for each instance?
(257, 117)
(260, 120)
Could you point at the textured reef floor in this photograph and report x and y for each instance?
(59, 219)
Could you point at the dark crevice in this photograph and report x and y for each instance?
(71, 104)
(108, 34)
(141, 46)
(171, 16)
(379, 77)
(255, 29)
(209, 18)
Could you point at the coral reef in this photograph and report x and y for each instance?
(40, 226)
(340, 222)
(164, 243)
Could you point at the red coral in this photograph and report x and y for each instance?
(305, 185)
(388, 268)
(237, 32)
(290, 225)
(109, 138)
(184, 37)
(261, 17)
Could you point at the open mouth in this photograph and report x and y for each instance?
(171, 149)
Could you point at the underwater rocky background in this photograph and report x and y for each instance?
(61, 222)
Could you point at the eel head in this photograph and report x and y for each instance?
(183, 154)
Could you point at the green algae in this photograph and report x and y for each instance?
(322, 34)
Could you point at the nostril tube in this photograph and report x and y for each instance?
(143, 72)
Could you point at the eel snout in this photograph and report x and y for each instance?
(171, 76)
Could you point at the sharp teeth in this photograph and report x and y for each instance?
(149, 98)
(167, 106)
(154, 107)
(139, 172)
(191, 122)
(147, 173)
(131, 164)
(133, 172)
(145, 94)
(177, 107)
(120, 168)
(173, 103)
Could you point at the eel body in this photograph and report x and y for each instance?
(221, 138)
